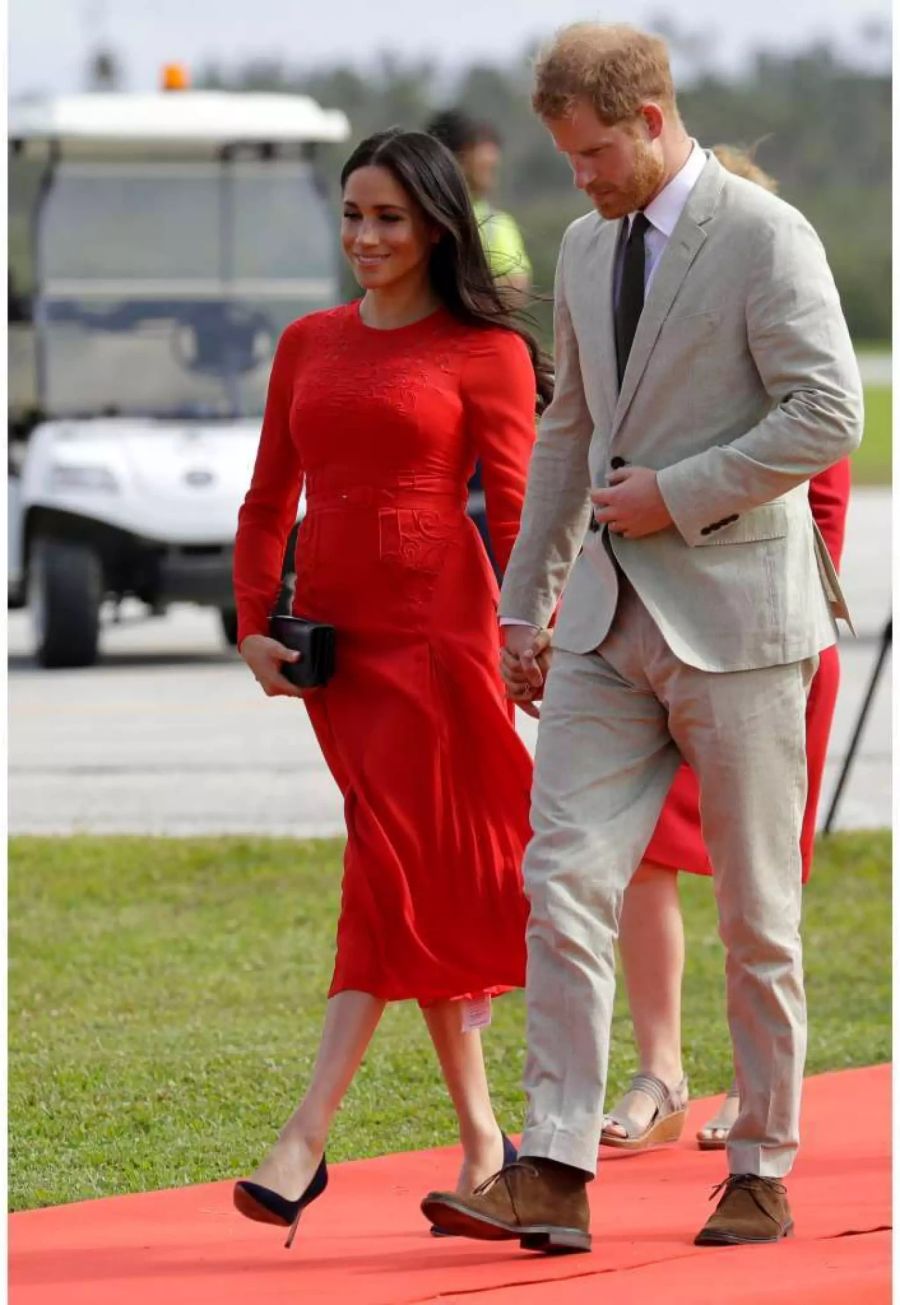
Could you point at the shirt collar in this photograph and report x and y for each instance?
(665, 209)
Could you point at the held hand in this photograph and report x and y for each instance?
(632, 505)
(524, 663)
(265, 658)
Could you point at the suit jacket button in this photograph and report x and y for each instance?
(616, 463)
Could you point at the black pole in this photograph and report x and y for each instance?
(861, 720)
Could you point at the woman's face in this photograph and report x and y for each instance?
(384, 232)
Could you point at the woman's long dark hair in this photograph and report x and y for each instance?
(458, 268)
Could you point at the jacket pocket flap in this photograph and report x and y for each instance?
(767, 522)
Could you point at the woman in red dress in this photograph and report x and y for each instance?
(651, 933)
(381, 407)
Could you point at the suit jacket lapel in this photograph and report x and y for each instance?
(684, 244)
(605, 264)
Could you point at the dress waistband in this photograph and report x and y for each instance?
(416, 491)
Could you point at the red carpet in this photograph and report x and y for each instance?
(365, 1242)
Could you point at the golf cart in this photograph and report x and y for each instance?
(159, 244)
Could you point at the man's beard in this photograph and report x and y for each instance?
(642, 185)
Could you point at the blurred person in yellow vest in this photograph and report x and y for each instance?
(477, 147)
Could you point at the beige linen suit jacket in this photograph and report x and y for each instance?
(741, 385)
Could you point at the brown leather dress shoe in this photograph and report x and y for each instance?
(752, 1209)
(541, 1204)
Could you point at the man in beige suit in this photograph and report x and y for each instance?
(703, 374)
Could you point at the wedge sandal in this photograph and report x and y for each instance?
(666, 1125)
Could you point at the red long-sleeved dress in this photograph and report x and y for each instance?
(677, 841)
(384, 427)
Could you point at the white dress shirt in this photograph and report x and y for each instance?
(662, 213)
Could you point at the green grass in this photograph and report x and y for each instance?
(872, 461)
(166, 995)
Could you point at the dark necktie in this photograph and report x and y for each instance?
(631, 292)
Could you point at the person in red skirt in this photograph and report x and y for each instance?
(651, 931)
(381, 407)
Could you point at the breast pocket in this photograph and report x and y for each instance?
(686, 355)
(694, 326)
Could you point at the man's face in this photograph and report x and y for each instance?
(479, 163)
(619, 167)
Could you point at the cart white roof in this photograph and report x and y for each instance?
(187, 117)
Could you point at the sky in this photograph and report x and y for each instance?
(49, 40)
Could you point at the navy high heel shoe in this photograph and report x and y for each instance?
(510, 1156)
(265, 1206)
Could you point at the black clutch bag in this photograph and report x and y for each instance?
(315, 644)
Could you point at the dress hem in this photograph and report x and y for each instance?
(428, 999)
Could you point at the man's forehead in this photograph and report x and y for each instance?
(580, 128)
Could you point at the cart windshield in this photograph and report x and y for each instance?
(163, 286)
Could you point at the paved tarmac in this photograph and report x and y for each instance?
(170, 734)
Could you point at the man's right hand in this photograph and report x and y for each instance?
(524, 663)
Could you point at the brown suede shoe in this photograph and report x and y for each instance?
(541, 1204)
(752, 1209)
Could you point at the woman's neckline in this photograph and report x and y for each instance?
(396, 330)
